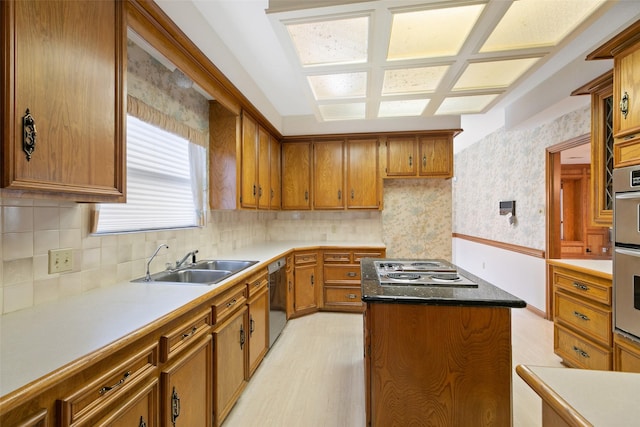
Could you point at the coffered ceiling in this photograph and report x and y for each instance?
(393, 64)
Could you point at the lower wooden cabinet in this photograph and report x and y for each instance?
(582, 317)
(258, 311)
(306, 282)
(626, 354)
(140, 409)
(186, 387)
(230, 338)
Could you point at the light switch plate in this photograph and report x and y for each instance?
(60, 260)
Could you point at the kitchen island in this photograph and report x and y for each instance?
(437, 354)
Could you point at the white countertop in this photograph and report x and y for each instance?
(46, 337)
(597, 265)
(604, 398)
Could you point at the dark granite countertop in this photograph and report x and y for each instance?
(485, 294)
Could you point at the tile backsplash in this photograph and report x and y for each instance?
(416, 221)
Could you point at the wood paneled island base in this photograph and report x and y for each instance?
(437, 365)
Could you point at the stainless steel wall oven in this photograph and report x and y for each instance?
(626, 255)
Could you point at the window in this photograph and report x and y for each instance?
(162, 189)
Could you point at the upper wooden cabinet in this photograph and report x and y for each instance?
(363, 176)
(328, 174)
(244, 162)
(601, 182)
(258, 189)
(63, 97)
(296, 175)
(625, 51)
(427, 155)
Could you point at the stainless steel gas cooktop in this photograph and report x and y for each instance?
(420, 273)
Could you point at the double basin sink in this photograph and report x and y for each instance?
(206, 272)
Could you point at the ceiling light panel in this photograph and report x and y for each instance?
(493, 74)
(431, 33)
(349, 111)
(340, 41)
(465, 104)
(337, 86)
(402, 108)
(535, 23)
(412, 80)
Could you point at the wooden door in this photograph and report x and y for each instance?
(363, 179)
(305, 288)
(401, 156)
(229, 363)
(328, 176)
(264, 164)
(275, 172)
(296, 175)
(258, 329)
(64, 66)
(436, 156)
(627, 90)
(186, 387)
(249, 183)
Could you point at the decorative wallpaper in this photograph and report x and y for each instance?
(510, 165)
(416, 220)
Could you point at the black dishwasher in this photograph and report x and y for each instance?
(277, 299)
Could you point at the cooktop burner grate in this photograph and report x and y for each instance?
(451, 277)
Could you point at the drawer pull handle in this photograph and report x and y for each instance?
(580, 315)
(352, 274)
(256, 284)
(351, 296)
(581, 352)
(231, 303)
(175, 407)
(242, 337)
(187, 335)
(580, 286)
(105, 389)
(29, 134)
(251, 325)
(624, 105)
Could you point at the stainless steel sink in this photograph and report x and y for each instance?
(206, 272)
(231, 265)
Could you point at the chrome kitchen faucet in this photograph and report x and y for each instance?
(191, 254)
(147, 276)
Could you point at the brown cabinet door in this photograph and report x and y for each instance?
(363, 179)
(627, 93)
(65, 66)
(258, 332)
(305, 288)
(230, 340)
(401, 156)
(436, 156)
(328, 177)
(186, 387)
(141, 409)
(249, 183)
(275, 171)
(264, 182)
(296, 175)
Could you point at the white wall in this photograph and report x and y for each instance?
(522, 275)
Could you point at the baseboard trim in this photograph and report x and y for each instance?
(537, 253)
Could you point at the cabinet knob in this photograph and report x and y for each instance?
(424, 160)
(624, 105)
(175, 407)
(242, 338)
(410, 160)
(142, 423)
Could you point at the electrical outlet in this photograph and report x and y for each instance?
(60, 260)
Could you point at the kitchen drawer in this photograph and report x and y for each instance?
(257, 283)
(342, 296)
(358, 255)
(337, 257)
(100, 389)
(587, 318)
(305, 258)
(335, 274)
(587, 286)
(580, 352)
(225, 304)
(172, 342)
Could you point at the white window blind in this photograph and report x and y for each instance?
(159, 183)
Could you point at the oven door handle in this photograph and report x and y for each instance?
(630, 252)
(631, 195)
